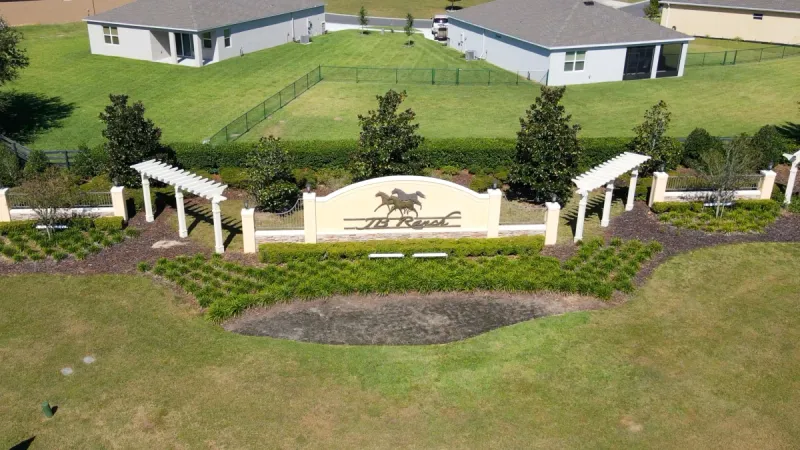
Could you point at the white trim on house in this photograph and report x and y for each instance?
(743, 8)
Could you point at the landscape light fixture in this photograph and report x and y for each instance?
(494, 185)
(770, 165)
(247, 203)
(661, 167)
(308, 187)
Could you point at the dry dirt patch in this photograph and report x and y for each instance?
(403, 319)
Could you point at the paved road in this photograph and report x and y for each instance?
(635, 9)
(346, 19)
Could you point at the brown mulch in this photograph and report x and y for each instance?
(119, 258)
(642, 224)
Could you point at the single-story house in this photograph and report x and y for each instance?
(775, 21)
(562, 42)
(198, 32)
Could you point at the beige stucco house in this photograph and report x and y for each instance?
(775, 21)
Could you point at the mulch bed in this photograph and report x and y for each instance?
(403, 319)
(642, 224)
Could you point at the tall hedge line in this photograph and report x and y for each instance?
(488, 153)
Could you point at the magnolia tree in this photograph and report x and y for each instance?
(270, 176)
(651, 139)
(547, 151)
(12, 57)
(724, 170)
(49, 194)
(388, 142)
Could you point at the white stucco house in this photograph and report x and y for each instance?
(199, 32)
(562, 42)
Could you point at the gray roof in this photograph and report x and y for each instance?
(763, 5)
(565, 23)
(198, 15)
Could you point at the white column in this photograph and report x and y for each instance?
(495, 201)
(766, 184)
(173, 48)
(656, 54)
(658, 188)
(607, 205)
(5, 211)
(249, 230)
(682, 64)
(118, 202)
(181, 213)
(217, 213)
(790, 185)
(198, 50)
(310, 217)
(632, 190)
(581, 215)
(551, 223)
(148, 205)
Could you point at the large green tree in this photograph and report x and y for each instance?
(130, 139)
(652, 11)
(270, 176)
(389, 141)
(769, 145)
(547, 150)
(12, 57)
(651, 139)
(697, 143)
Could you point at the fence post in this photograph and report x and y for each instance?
(306, 81)
(227, 139)
(495, 204)
(294, 90)
(356, 74)
(280, 99)
(458, 75)
(784, 52)
(118, 202)
(725, 58)
(66, 159)
(704, 59)
(395, 76)
(5, 211)
(264, 104)
(766, 184)
(551, 223)
(761, 55)
(518, 78)
(310, 217)
(735, 55)
(658, 188)
(433, 76)
(249, 230)
(319, 72)
(246, 124)
(489, 83)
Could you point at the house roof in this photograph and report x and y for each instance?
(198, 15)
(755, 5)
(565, 23)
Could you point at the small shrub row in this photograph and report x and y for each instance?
(79, 241)
(81, 223)
(744, 216)
(280, 253)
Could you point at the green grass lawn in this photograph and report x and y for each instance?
(704, 355)
(420, 9)
(191, 104)
(703, 45)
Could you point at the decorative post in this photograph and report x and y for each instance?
(581, 215)
(495, 201)
(5, 211)
(659, 188)
(182, 232)
(794, 159)
(551, 223)
(219, 247)
(249, 230)
(766, 184)
(310, 217)
(632, 190)
(118, 202)
(148, 205)
(607, 204)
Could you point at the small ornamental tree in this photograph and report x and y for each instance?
(547, 151)
(698, 142)
(652, 11)
(388, 141)
(270, 176)
(36, 164)
(363, 20)
(769, 145)
(12, 58)
(409, 28)
(10, 172)
(130, 139)
(49, 194)
(651, 139)
(724, 169)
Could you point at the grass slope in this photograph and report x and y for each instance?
(705, 355)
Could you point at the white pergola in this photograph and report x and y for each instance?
(183, 181)
(604, 175)
(794, 160)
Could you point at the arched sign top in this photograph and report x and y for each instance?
(400, 179)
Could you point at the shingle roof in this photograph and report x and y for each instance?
(564, 23)
(198, 15)
(762, 5)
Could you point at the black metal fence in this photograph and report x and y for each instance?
(61, 158)
(731, 57)
(397, 75)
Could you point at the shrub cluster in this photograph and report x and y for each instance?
(743, 216)
(227, 288)
(22, 241)
(280, 253)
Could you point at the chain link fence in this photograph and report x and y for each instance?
(731, 57)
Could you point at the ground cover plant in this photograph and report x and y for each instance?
(228, 288)
(692, 340)
(744, 216)
(20, 240)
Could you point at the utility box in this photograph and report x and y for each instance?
(469, 55)
(305, 39)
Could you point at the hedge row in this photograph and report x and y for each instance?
(488, 153)
(280, 253)
(81, 223)
(749, 205)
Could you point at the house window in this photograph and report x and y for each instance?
(207, 39)
(111, 35)
(758, 16)
(227, 34)
(574, 61)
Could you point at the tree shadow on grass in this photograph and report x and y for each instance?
(791, 131)
(201, 213)
(23, 115)
(594, 207)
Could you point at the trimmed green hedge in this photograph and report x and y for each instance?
(81, 223)
(749, 205)
(280, 253)
(744, 216)
(17, 225)
(487, 153)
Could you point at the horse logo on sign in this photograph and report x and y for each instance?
(405, 204)
(400, 201)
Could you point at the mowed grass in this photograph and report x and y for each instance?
(703, 45)
(420, 9)
(704, 355)
(724, 100)
(191, 104)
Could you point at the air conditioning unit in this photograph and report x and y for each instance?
(469, 55)
(304, 39)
